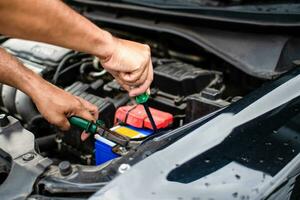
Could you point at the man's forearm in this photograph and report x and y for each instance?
(53, 103)
(15, 74)
(51, 21)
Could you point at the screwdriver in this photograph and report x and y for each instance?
(98, 127)
(142, 99)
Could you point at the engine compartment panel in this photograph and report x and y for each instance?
(182, 90)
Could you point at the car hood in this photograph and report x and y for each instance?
(212, 161)
(261, 48)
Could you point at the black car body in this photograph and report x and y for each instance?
(250, 150)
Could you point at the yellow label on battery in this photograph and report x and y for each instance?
(127, 132)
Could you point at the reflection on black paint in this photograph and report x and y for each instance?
(266, 143)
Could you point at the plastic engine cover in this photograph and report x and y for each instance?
(38, 52)
(106, 110)
(181, 79)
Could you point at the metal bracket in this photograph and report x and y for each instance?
(26, 164)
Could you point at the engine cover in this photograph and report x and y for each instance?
(37, 52)
(178, 78)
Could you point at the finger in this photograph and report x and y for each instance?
(131, 77)
(125, 86)
(135, 75)
(113, 73)
(141, 79)
(139, 90)
(119, 80)
(62, 123)
(144, 87)
(84, 136)
(90, 107)
(85, 114)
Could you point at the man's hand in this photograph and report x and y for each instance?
(57, 106)
(54, 104)
(130, 64)
(52, 21)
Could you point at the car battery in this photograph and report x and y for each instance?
(103, 147)
(103, 150)
(136, 116)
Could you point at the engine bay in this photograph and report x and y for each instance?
(183, 91)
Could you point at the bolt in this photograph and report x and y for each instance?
(123, 168)
(28, 156)
(88, 159)
(58, 140)
(122, 150)
(65, 168)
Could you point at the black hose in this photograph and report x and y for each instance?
(69, 68)
(60, 66)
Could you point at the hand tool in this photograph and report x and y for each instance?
(98, 128)
(142, 99)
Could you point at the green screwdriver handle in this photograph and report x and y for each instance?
(84, 124)
(142, 98)
(91, 127)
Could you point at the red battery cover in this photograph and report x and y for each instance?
(136, 116)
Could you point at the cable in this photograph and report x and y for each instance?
(60, 66)
(67, 69)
